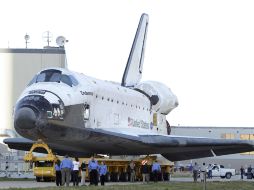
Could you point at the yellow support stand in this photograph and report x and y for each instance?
(29, 157)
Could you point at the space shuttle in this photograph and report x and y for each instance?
(80, 116)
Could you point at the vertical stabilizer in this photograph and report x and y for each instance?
(133, 70)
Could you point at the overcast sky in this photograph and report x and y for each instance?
(202, 50)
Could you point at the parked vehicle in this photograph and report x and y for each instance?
(221, 171)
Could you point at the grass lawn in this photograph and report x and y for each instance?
(14, 179)
(166, 186)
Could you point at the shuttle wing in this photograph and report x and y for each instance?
(21, 143)
(133, 70)
(174, 148)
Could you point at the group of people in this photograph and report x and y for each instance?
(248, 174)
(202, 172)
(145, 170)
(68, 168)
(94, 169)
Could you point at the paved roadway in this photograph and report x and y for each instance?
(31, 184)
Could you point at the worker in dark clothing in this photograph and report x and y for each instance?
(249, 172)
(83, 173)
(58, 173)
(242, 172)
(145, 173)
(93, 171)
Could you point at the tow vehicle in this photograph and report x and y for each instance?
(43, 166)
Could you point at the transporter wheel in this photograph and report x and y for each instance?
(108, 178)
(117, 177)
(38, 179)
(126, 177)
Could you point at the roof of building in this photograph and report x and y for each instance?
(48, 50)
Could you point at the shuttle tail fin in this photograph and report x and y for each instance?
(133, 70)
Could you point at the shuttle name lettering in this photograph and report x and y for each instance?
(86, 93)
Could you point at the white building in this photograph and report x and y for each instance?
(17, 68)
(232, 160)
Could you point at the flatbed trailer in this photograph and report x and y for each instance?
(118, 168)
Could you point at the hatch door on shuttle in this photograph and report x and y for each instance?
(116, 119)
(86, 112)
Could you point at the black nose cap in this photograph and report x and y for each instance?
(25, 118)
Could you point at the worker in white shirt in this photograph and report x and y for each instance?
(75, 172)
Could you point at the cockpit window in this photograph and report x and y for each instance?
(32, 81)
(49, 76)
(73, 80)
(66, 79)
(53, 75)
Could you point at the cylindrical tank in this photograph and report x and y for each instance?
(167, 101)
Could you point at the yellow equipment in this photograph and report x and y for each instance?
(118, 169)
(43, 166)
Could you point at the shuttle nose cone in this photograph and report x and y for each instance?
(25, 118)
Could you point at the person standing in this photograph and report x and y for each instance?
(242, 172)
(83, 173)
(66, 167)
(145, 173)
(102, 171)
(58, 173)
(210, 171)
(132, 171)
(203, 173)
(93, 171)
(75, 172)
(195, 172)
(249, 172)
(156, 168)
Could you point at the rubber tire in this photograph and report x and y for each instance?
(228, 175)
(38, 179)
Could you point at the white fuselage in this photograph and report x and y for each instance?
(110, 106)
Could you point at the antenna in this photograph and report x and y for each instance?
(60, 41)
(47, 36)
(27, 37)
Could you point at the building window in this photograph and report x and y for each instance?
(228, 136)
(247, 137)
